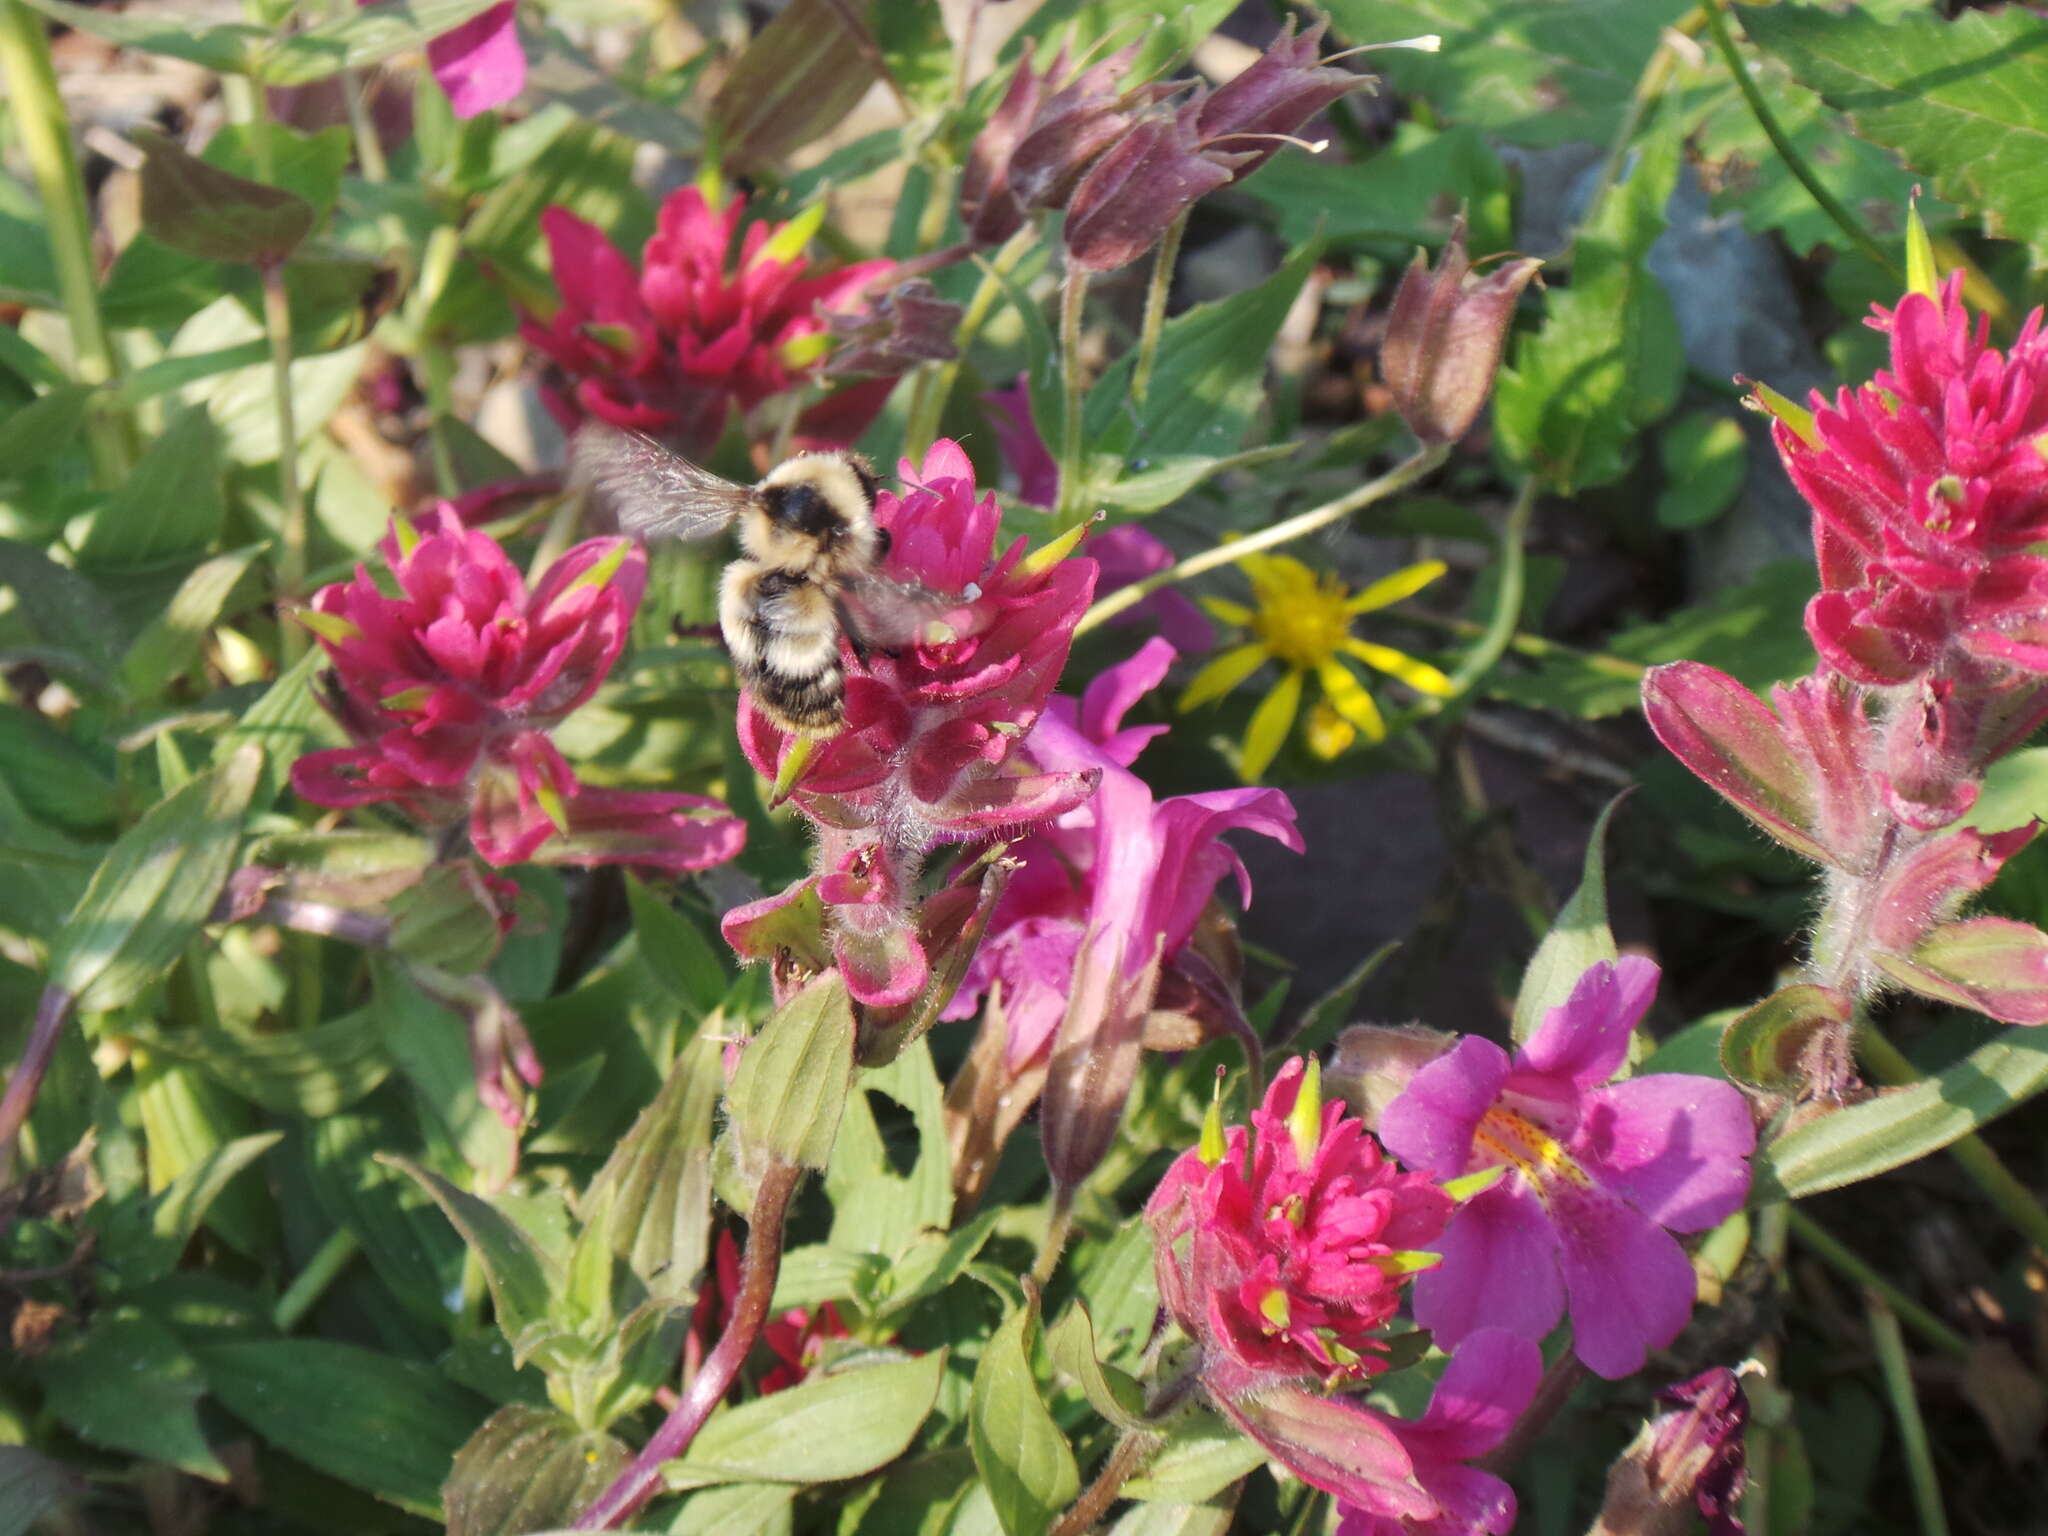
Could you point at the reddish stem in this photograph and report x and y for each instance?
(759, 1267)
(53, 1009)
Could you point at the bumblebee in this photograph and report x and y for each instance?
(809, 572)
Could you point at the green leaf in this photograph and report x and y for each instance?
(1024, 1459)
(174, 1215)
(280, 724)
(588, 171)
(797, 79)
(30, 1483)
(1110, 1392)
(310, 1073)
(739, 1509)
(227, 47)
(845, 1424)
(911, 35)
(416, 1255)
(1607, 361)
(1162, 483)
(64, 608)
(1202, 1456)
(564, 77)
(931, 1263)
(1902, 1124)
(1208, 383)
(1533, 72)
(525, 1470)
(1963, 101)
(1704, 456)
(169, 506)
(1580, 937)
(127, 1384)
(39, 431)
(1754, 632)
(1212, 1519)
(386, 1425)
(212, 214)
(676, 950)
(56, 779)
(656, 1187)
(430, 1045)
(1762, 1046)
(791, 1085)
(522, 1278)
(875, 1209)
(154, 889)
(1402, 195)
(171, 642)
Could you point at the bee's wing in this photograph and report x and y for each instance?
(889, 613)
(654, 491)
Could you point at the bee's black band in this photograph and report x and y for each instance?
(802, 510)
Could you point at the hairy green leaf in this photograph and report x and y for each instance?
(791, 1085)
(127, 1384)
(526, 1469)
(1025, 1462)
(1580, 937)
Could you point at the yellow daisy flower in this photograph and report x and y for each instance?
(1302, 621)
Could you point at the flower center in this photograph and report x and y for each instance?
(1303, 625)
(1515, 1139)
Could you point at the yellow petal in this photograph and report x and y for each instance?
(1348, 697)
(1419, 675)
(1405, 582)
(1329, 734)
(1221, 675)
(1271, 722)
(1229, 612)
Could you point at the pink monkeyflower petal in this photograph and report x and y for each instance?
(1431, 1125)
(480, 63)
(1630, 1126)
(1630, 1285)
(1585, 1039)
(1127, 553)
(1499, 1269)
(1483, 1391)
(1336, 1445)
(1023, 449)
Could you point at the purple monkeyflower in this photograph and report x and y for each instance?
(480, 63)
(1599, 1174)
(1482, 1392)
(1122, 876)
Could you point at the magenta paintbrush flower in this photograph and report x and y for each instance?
(448, 691)
(927, 753)
(1283, 1250)
(1598, 1176)
(1928, 487)
(1133, 872)
(1480, 1395)
(699, 330)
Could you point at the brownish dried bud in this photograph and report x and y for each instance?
(1444, 338)
(1150, 177)
(1285, 87)
(1041, 139)
(909, 325)
(1684, 1462)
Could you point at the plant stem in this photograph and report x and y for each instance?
(1394, 481)
(1831, 1250)
(1056, 1231)
(1155, 306)
(1795, 162)
(1984, 1166)
(1898, 1382)
(1132, 1447)
(311, 1283)
(759, 1266)
(1507, 603)
(45, 132)
(1073, 297)
(929, 404)
(53, 1011)
(291, 565)
(438, 379)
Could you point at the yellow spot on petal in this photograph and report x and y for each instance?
(1517, 1140)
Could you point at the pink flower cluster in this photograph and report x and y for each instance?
(928, 753)
(1928, 488)
(699, 330)
(1283, 1249)
(448, 691)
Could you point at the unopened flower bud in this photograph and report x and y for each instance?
(1374, 1062)
(909, 325)
(1687, 1460)
(1282, 89)
(1131, 196)
(1444, 338)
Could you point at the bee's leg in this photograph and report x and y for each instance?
(851, 629)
